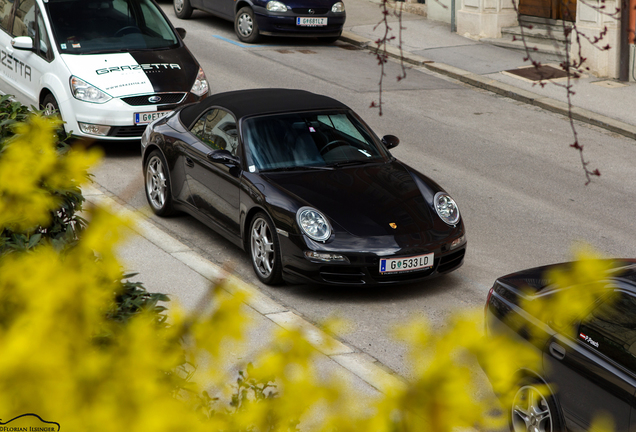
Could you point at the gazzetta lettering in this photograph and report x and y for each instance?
(145, 67)
(15, 65)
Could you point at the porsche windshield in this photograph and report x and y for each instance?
(99, 26)
(327, 139)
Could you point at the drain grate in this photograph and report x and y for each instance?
(541, 73)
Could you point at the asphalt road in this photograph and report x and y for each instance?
(519, 185)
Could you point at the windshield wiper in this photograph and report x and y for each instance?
(351, 163)
(300, 168)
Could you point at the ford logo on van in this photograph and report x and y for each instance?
(154, 99)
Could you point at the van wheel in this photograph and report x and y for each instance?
(182, 8)
(245, 25)
(51, 108)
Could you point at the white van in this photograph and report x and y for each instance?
(109, 66)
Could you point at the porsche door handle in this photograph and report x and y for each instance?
(189, 162)
(557, 351)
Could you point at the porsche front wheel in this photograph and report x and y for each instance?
(157, 181)
(265, 250)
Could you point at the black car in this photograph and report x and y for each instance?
(302, 183)
(323, 19)
(586, 372)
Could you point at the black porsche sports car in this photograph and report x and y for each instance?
(301, 182)
(583, 375)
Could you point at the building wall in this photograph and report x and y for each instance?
(591, 22)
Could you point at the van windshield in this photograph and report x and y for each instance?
(97, 26)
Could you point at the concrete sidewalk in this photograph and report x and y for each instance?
(430, 44)
(168, 266)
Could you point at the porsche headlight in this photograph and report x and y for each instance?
(446, 208)
(200, 86)
(338, 7)
(276, 6)
(313, 223)
(83, 91)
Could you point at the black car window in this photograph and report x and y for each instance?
(217, 130)
(313, 139)
(611, 329)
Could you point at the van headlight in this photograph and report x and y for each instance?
(83, 91)
(200, 86)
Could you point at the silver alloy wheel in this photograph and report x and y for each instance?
(530, 411)
(156, 184)
(245, 24)
(263, 251)
(178, 5)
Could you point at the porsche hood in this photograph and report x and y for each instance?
(372, 200)
(136, 72)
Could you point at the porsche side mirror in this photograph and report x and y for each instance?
(22, 43)
(224, 157)
(390, 141)
(181, 32)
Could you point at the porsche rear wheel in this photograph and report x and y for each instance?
(534, 409)
(157, 181)
(265, 250)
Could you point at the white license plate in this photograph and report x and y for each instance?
(311, 22)
(408, 264)
(148, 117)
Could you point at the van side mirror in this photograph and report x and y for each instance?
(390, 141)
(181, 32)
(22, 43)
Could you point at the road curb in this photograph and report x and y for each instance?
(359, 364)
(494, 86)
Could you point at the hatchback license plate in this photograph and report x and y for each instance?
(311, 22)
(408, 264)
(149, 117)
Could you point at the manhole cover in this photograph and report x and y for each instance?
(541, 73)
(306, 51)
(284, 51)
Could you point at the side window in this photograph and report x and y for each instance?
(28, 22)
(44, 42)
(24, 19)
(217, 129)
(5, 14)
(611, 329)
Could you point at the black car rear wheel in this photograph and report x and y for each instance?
(157, 180)
(265, 250)
(182, 8)
(245, 25)
(534, 409)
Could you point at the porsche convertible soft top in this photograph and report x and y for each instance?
(253, 102)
